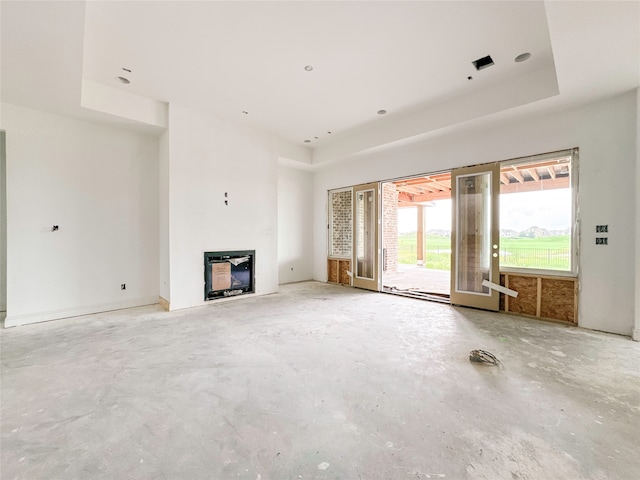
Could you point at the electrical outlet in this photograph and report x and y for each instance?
(602, 241)
(123, 286)
(602, 228)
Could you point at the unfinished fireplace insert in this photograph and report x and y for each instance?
(227, 274)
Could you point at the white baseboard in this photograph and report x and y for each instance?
(16, 320)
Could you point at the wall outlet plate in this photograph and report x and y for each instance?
(602, 241)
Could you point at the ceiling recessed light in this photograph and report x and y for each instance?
(245, 112)
(382, 112)
(469, 77)
(124, 80)
(126, 69)
(307, 141)
(522, 57)
(329, 133)
(308, 68)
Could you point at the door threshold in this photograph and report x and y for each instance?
(414, 293)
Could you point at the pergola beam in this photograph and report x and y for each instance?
(534, 174)
(547, 184)
(539, 176)
(517, 175)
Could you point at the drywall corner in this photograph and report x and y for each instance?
(295, 225)
(3, 222)
(636, 331)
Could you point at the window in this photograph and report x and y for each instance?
(537, 213)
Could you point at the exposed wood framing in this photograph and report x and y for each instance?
(338, 271)
(533, 172)
(406, 199)
(548, 184)
(539, 297)
(546, 175)
(542, 296)
(517, 175)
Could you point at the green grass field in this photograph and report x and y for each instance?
(546, 253)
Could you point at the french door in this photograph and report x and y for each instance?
(475, 236)
(365, 236)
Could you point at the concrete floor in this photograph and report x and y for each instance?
(317, 382)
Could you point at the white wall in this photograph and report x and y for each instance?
(164, 218)
(208, 157)
(100, 185)
(3, 226)
(636, 330)
(604, 131)
(295, 225)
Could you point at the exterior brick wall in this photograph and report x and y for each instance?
(342, 225)
(390, 227)
(341, 221)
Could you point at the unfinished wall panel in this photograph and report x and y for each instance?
(527, 299)
(557, 300)
(332, 270)
(344, 267)
(542, 296)
(338, 271)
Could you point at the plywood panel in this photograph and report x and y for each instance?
(344, 267)
(544, 296)
(527, 299)
(557, 300)
(332, 271)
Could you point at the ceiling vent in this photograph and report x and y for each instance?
(483, 62)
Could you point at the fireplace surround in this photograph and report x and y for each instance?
(228, 273)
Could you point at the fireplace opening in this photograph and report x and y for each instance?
(227, 274)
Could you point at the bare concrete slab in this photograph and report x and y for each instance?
(317, 382)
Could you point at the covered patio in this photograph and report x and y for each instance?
(414, 279)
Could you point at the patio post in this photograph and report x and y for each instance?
(420, 234)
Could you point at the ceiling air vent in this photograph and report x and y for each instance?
(483, 62)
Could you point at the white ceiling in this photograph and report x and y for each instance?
(409, 58)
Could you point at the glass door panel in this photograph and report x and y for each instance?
(475, 236)
(365, 238)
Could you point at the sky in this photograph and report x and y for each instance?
(549, 209)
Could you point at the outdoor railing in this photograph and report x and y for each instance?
(545, 258)
(439, 258)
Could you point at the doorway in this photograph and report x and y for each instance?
(416, 236)
(438, 236)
